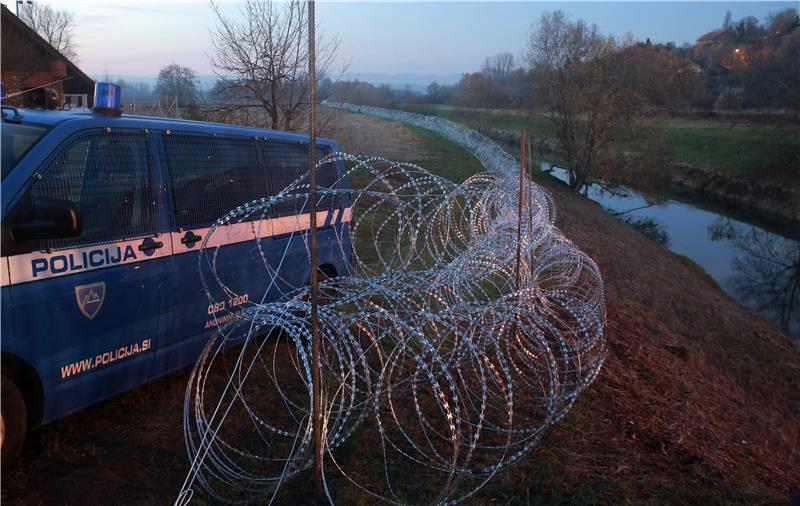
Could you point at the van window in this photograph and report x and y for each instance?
(106, 175)
(212, 175)
(18, 138)
(288, 161)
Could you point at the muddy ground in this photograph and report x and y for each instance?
(698, 402)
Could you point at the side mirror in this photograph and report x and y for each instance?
(47, 218)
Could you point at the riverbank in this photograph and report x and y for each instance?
(698, 402)
(771, 202)
(749, 166)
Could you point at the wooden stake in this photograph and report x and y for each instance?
(518, 273)
(316, 377)
(530, 194)
(522, 174)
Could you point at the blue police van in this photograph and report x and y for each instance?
(103, 217)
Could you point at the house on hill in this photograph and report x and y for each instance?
(716, 47)
(713, 40)
(27, 61)
(720, 48)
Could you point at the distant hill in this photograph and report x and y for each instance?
(417, 83)
(206, 81)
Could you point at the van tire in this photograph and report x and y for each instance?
(13, 423)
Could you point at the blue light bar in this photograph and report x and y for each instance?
(107, 98)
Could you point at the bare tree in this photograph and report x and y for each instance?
(433, 91)
(54, 25)
(593, 88)
(262, 59)
(176, 81)
(499, 67)
(781, 23)
(559, 52)
(134, 88)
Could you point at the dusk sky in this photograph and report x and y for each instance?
(442, 38)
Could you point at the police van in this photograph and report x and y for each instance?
(103, 217)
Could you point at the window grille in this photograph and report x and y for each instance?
(212, 175)
(106, 175)
(288, 161)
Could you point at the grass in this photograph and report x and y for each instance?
(754, 151)
(482, 119)
(439, 156)
(446, 158)
(746, 150)
(561, 470)
(588, 459)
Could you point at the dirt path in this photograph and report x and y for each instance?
(698, 402)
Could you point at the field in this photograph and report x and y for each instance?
(748, 150)
(698, 402)
(357, 134)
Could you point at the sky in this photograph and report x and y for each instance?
(137, 38)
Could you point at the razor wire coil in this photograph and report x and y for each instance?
(430, 353)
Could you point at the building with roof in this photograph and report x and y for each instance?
(713, 39)
(28, 61)
(713, 46)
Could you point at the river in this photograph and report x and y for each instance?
(757, 266)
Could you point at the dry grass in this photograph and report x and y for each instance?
(358, 134)
(698, 402)
(699, 399)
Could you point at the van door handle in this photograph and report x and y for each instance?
(190, 238)
(149, 245)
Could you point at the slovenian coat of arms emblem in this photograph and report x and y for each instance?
(90, 298)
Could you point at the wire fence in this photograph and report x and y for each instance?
(435, 360)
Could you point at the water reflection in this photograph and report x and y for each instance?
(649, 227)
(755, 266)
(765, 272)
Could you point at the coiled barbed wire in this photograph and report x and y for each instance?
(432, 355)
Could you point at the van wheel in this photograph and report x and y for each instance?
(325, 294)
(13, 423)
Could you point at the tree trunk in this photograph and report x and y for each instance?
(577, 179)
(274, 110)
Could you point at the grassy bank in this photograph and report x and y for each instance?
(698, 401)
(445, 158)
(746, 150)
(753, 151)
